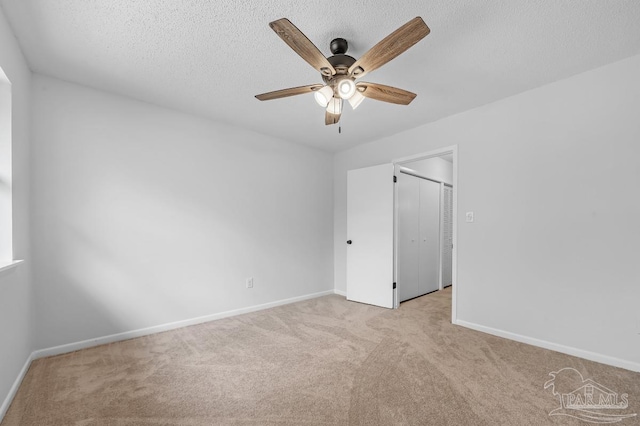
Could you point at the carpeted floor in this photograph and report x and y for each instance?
(324, 361)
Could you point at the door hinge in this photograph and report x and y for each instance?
(395, 179)
(394, 286)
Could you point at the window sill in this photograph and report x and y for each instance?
(5, 266)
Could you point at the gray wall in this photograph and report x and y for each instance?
(145, 216)
(552, 176)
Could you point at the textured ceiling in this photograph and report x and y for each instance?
(210, 58)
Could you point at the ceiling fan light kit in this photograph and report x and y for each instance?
(356, 99)
(335, 106)
(340, 70)
(346, 88)
(323, 96)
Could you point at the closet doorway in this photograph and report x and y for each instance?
(424, 225)
(373, 264)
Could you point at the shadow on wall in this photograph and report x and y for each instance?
(143, 220)
(128, 262)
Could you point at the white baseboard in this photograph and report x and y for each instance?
(591, 356)
(340, 292)
(14, 388)
(71, 347)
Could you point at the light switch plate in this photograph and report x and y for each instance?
(469, 216)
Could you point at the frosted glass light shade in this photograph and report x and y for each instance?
(356, 99)
(346, 88)
(335, 106)
(323, 96)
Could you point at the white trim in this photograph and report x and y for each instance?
(453, 149)
(441, 237)
(454, 238)
(396, 210)
(340, 292)
(71, 347)
(424, 155)
(14, 389)
(5, 266)
(569, 350)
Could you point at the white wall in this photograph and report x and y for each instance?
(435, 168)
(145, 216)
(15, 284)
(552, 175)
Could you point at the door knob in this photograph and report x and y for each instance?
(348, 241)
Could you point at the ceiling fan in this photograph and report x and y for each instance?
(340, 71)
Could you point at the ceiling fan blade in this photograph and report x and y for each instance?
(383, 93)
(390, 47)
(292, 91)
(330, 118)
(302, 45)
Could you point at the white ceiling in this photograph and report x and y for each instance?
(210, 58)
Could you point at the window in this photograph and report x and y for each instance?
(6, 229)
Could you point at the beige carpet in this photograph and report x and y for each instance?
(324, 361)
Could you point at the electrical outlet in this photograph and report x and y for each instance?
(469, 217)
(249, 282)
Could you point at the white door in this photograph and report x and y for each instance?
(370, 235)
(429, 236)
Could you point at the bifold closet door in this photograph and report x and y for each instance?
(429, 265)
(408, 237)
(418, 236)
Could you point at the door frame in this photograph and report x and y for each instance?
(399, 162)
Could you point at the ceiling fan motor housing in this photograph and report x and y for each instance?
(341, 64)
